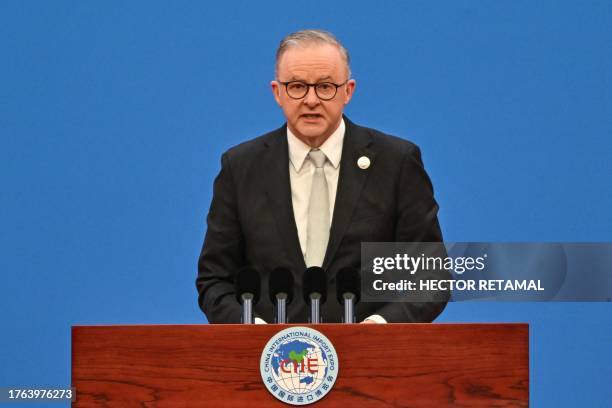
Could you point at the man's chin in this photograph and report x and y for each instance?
(311, 130)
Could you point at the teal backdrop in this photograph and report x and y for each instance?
(113, 116)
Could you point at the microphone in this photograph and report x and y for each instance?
(248, 289)
(281, 292)
(314, 285)
(348, 291)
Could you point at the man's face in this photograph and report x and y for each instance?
(311, 119)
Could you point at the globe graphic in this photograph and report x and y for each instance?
(303, 381)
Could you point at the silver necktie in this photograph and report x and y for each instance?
(318, 213)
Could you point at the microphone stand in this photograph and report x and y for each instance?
(281, 308)
(349, 307)
(247, 308)
(315, 308)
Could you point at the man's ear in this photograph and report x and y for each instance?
(275, 86)
(350, 90)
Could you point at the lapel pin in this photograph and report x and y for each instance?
(363, 162)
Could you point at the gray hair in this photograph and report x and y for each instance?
(303, 37)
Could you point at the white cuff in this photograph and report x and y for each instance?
(262, 321)
(376, 318)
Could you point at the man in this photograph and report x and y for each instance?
(309, 193)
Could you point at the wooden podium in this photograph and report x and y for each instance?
(399, 365)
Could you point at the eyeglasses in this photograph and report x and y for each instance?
(324, 90)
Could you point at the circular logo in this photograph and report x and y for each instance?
(299, 365)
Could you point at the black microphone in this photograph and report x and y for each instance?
(314, 285)
(248, 289)
(348, 291)
(281, 292)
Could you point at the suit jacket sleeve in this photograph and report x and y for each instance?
(417, 221)
(222, 253)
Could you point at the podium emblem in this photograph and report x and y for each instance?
(299, 365)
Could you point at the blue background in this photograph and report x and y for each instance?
(113, 116)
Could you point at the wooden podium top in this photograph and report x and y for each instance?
(411, 365)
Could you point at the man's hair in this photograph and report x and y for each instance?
(309, 37)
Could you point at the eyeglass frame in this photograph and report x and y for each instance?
(308, 86)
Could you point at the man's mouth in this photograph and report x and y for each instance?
(311, 116)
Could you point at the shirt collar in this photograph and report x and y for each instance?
(332, 148)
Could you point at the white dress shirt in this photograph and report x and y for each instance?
(301, 172)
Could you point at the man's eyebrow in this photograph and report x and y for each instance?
(298, 78)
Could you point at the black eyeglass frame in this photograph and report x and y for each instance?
(286, 84)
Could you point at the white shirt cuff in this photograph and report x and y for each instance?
(376, 318)
(261, 321)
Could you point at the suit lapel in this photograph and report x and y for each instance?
(278, 190)
(350, 184)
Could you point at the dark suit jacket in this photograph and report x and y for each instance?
(251, 222)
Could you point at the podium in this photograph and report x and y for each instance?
(380, 365)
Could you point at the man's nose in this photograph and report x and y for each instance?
(311, 98)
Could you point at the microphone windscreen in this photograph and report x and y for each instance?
(248, 281)
(314, 280)
(348, 280)
(281, 281)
